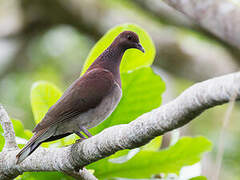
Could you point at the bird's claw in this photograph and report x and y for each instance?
(80, 140)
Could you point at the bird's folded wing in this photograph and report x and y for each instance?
(84, 94)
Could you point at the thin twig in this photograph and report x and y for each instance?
(220, 17)
(221, 140)
(86, 175)
(9, 134)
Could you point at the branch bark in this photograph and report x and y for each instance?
(9, 134)
(175, 114)
(220, 17)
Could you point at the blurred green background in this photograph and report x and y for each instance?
(50, 40)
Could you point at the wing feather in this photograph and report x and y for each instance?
(84, 94)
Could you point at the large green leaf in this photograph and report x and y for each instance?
(186, 151)
(43, 96)
(132, 58)
(142, 92)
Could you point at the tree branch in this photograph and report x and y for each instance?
(177, 113)
(166, 13)
(220, 17)
(9, 135)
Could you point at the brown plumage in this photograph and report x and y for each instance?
(88, 101)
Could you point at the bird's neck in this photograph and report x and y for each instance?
(110, 59)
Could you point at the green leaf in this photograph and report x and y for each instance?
(20, 131)
(198, 178)
(22, 135)
(43, 176)
(43, 96)
(154, 145)
(144, 164)
(142, 90)
(132, 58)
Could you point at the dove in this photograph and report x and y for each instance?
(88, 101)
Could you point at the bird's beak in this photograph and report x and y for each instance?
(139, 46)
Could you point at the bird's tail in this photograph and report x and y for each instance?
(31, 146)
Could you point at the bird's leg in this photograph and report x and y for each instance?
(80, 135)
(85, 131)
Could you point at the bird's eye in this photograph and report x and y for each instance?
(129, 37)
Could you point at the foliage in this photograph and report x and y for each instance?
(20, 131)
(146, 162)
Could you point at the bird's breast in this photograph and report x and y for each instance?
(96, 115)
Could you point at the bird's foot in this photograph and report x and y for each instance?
(81, 137)
(83, 129)
(80, 140)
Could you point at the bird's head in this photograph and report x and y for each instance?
(129, 39)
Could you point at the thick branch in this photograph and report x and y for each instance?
(221, 17)
(9, 135)
(175, 114)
